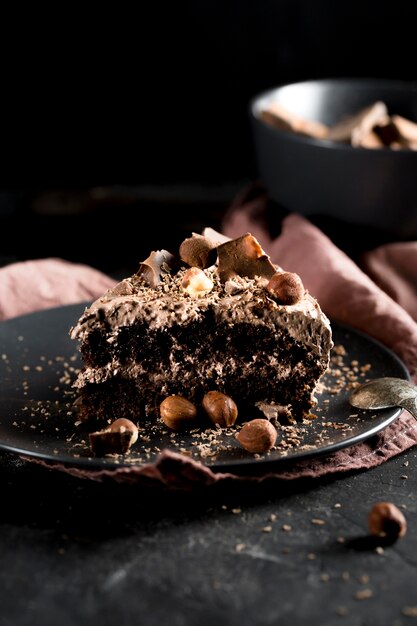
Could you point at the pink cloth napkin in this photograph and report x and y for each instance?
(379, 298)
(45, 283)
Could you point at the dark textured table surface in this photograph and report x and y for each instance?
(79, 552)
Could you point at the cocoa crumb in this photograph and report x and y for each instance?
(364, 594)
(342, 611)
(239, 547)
(409, 611)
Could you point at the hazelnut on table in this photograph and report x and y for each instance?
(386, 520)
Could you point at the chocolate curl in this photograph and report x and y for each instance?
(243, 257)
(277, 115)
(215, 238)
(150, 269)
(407, 131)
(198, 251)
(354, 128)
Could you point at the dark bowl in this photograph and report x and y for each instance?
(376, 187)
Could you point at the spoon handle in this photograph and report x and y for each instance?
(410, 404)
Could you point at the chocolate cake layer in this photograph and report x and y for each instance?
(141, 342)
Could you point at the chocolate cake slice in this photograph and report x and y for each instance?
(219, 316)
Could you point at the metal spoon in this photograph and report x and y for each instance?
(384, 393)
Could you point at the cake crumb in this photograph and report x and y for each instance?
(342, 611)
(364, 579)
(239, 547)
(364, 594)
(409, 611)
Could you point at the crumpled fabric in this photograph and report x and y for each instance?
(45, 283)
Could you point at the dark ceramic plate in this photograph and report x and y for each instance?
(38, 363)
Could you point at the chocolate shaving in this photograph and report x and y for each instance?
(150, 269)
(371, 140)
(278, 116)
(398, 133)
(372, 127)
(214, 236)
(355, 127)
(407, 131)
(124, 288)
(243, 257)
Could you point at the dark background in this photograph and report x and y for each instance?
(141, 116)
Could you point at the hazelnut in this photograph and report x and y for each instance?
(386, 520)
(286, 287)
(123, 425)
(258, 435)
(196, 282)
(220, 408)
(198, 251)
(116, 439)
(176, 412)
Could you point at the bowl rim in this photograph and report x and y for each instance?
(395, 84)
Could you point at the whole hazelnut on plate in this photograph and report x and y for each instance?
(258, 435)
(220, 408)
(177, 412)
(115, 439)
(123, 425)
(386, 520)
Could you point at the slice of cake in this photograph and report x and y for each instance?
(218, 316)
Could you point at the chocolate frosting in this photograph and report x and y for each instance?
(238, 300)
